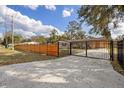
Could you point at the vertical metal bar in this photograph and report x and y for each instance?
(106, 48)
(70, 48)
(118, 50)
(105, 55)
(107, 44)
(111, 51)
(123, 52)
(86, 48)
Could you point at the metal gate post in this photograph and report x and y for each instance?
(86, 48)
(111, 50)
(123, 52)
(70, 48)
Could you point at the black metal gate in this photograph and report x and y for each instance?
(94, 48)
(120, 45)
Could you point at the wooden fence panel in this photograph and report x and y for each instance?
(36, 47)
(31, 48)
(53, 49)
(48, 49)
(43, 49)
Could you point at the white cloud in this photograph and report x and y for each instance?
(33, 7)
(118, 31)
(67, 13)
(50, 7)
(1, 35)
(1, 20)
(25, 25)
(25, 34)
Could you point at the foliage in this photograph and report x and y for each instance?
(26, 40)
(17, 38)
(117, 67)
(62, 37)
(40, 39)
(121, 37)
(8, 38)
(74, 31)
(53, 36)
(0, 40)
(100, 17)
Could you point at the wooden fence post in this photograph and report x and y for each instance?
(47, 49)
(58, 48)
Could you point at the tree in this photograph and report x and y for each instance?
(100, 17)
(80, 34)
(53, 36)
(26, 40)
(74, 31)
(120, 37)
(62, 37)
(18, 38)
(0, 40)
(8, 38)
(40, 39)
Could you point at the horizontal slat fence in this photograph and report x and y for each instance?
(48, 49)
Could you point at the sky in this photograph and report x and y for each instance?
(58, 16)
(33, 20)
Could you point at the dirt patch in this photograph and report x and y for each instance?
(8, 56)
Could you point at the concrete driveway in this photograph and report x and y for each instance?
(71, 71)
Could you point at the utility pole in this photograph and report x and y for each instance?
(12, 28)
(12, 32)
(5, 35)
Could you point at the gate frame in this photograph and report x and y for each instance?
(120, 46)
(111, 50)
(110, 46)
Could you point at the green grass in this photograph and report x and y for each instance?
(117, 67)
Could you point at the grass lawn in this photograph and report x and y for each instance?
(8, 56)
(117, 67)
(115, 63)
